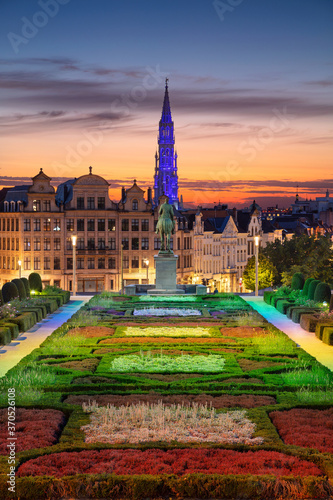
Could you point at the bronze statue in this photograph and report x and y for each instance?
(165, 225)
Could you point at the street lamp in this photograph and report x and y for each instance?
(256, 242)
(74, 238)
(146, 261)
(20, 267)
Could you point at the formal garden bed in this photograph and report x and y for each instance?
(215, 406)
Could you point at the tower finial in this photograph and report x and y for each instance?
(90, 170)
(166, 82)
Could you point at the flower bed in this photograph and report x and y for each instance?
(33, 428)
(142, 422)
(303, 427)
(166, 331)
(223, 401)
(166, 340)
(165, 311)
(180, 462)
(213, 363)
(242, 331)
(91, 331)
(88, 364)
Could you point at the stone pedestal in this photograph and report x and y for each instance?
(166, 275)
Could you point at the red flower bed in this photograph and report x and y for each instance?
(180, 462)
(308, 428)
(33, 428)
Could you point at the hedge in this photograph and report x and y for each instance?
(35, 282)
(298, 311)
(309, 322)
(25, 282)
(312, 288)
(5, 335)
(322, 293)
(36, 310)
(320, 328)
(14, 329)
(282, 305)
(297, 282)
(306, 286)
(328, 335)
(20, 287)
(268, 296)
(9, 292)
(24, 321)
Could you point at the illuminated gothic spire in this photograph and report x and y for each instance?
(166, 178)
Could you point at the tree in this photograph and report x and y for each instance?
(310, 255)
(266, 273)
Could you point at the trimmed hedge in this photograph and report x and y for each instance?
(306, 286)
(283, 304)
(298, 311)
(268, 296)
(320, 328)
(35, 282)
(24, 321)
(322, 293)
(312, 288)
(309, 322)
(20, 287)
(9, 292)
(297, 282)
(331, 303)
(5, 335)
(14, 329)
(25, 282)
(328, 335)
(36, 310)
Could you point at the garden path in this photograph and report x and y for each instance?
(26, 342)
(307, 340)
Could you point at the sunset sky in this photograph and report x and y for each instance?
(250, 83)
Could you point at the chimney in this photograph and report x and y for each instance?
(123, 194)
(149, 198)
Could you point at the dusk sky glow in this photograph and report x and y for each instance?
(250, 84)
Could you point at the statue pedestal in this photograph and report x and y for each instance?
(166, 275)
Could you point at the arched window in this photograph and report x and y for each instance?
(135, 205)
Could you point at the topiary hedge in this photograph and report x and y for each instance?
(297, 282)
(306, 286)
(35, 282)
(322, 293)
(25, 282)
(20, 287)
(312, 289)
(331, 303)
(9, 292)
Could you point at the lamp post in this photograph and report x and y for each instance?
(121, 269)
(74, 238)
(146, 261)
(20, 267)
(256, 242)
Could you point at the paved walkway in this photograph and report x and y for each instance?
(307, 340)
(26, 342)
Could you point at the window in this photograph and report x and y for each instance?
(69, 262)
(112, 263)
(80, 202)
(80, 263)
(101, 203)
(37, 263)
(56, 283)
(112, 243)
(124, 224)
(125, 243)
(135, 205)
(91, 263)
(135, 263)
(57, 245)
(36, 244)
(135, 224)
(36, 205)
(111, 284)
(91, 224)
(112, 224)
(135, 243)
(26, 245)
(157, 243)
(101, 244)
(145, 244)
(101, 224)
(56, 225)
(145, 225)
(80, 244)
(36, 224)
(70, 224)
(91, 244)
(17, 225)
(46, 206)
(12, 225)
(26, 263)
(47, 224)
(101, 263)
(17, 244)
(47, 244)
(56, 263)
(69, 244)
(3, 243)
(8, 224)
(80, 225)
(47, 263)
(13, 245)
(91, 203)
(126, 262)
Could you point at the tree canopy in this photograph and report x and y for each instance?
(310, 255)
(266, 273)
